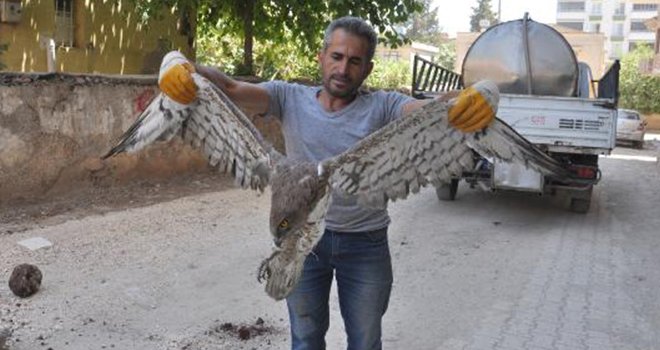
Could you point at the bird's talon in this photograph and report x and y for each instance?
(263, 273)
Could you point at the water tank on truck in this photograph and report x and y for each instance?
(523, 57)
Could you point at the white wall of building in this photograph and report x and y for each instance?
(620, 20)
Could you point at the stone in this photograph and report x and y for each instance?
(35, 243)
(25, 280)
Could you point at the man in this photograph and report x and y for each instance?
(318, 123)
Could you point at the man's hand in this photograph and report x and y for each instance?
(475, 107)
(175, 78)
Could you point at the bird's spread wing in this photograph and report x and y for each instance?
(423, 148)
(213, 124)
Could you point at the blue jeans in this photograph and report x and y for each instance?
(363, 268)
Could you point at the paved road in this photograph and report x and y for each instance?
(521, 273)
(488, 271)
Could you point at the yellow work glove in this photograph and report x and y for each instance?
(175, 78)
(475, 107)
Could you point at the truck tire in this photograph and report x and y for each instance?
(447, 192)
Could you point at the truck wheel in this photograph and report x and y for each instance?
(447, 192)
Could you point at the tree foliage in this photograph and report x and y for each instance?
(270, 61)
(280, 22)
(638, 91)
(483, 10)
(390, 74)
(424, 27)
(447, 55)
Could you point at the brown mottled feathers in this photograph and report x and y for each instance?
(214, 125)
(423, 148)
(397, 160)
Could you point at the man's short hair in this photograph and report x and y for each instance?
(356, 26)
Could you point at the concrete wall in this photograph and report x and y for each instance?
(54, 128)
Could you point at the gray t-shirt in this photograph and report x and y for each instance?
(313, 134)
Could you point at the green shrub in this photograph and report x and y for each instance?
(638, 91)
(271, 61)
(277, 61)
(390, 74)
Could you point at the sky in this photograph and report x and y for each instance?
(454, 15)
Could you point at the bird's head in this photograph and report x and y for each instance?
(296, 189)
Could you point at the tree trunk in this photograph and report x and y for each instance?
(188, 27)
(248, 26)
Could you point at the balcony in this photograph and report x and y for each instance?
(642, 36)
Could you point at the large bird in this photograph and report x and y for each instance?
(398, 159)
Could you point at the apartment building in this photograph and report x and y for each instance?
(621, 21)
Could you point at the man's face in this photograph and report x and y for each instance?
(344, 64)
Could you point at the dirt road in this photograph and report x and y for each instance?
(488, 271)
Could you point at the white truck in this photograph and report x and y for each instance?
(546, 96)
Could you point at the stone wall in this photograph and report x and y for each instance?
(55, 127)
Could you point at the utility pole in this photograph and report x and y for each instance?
(499, 11)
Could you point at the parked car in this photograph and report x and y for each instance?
(630, 127)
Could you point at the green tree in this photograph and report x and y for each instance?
(483, 10)
(281, 22)
(447, 55)
(638, 91)
(424, 27)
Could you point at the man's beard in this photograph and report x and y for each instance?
(350, 91)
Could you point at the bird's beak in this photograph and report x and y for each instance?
(278, 241)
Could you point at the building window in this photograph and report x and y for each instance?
(64, 23)
(620, 9)
(572, 6)
(572, 25)
(617, 29)
(645, 7)
(617, 50)
(594, 27)
(596, 9)
(638, 26)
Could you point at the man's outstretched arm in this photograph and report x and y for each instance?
(251, 98)
(175, 81)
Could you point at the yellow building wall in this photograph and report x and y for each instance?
(108, 39)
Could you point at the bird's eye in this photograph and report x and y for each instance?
(284, 224)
